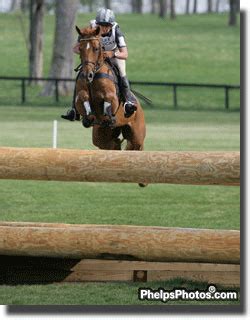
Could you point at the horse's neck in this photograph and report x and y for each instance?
(104, 67)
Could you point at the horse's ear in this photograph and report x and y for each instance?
(97, 31)
(78, 31)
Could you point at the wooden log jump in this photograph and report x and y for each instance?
(198, 168)
(119, 242)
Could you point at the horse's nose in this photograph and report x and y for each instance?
(90, 76)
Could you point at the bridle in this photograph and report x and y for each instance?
(97, 66)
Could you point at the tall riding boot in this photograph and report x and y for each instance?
(130, 101)
(72, 114)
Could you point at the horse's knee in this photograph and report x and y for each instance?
(82, 103)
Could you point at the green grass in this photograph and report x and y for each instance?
(98, 294)
(191, 49)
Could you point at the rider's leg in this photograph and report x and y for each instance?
(130, 101)
(72, 114)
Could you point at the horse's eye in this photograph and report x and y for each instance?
(96, 49)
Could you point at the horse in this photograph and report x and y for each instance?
(98, 101)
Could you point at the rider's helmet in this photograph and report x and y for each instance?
(105, 16)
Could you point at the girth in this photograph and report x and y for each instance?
(102, 75)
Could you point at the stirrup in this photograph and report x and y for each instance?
(71, 115)
(129, 109)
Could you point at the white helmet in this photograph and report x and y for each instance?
(105, 16)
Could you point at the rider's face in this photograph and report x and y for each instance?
(105, 29)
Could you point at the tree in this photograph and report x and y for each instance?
(153, 6)
(209, 6)
(15, 5)
(217, 6)
(232, 13)
(89, 3)
(195, 6)
(172, 9)
(62, 58)
(136, 6)
(187, 6)
(238, 6)
(162, 8)
(25, 5)
(36, 38)
(107, 4)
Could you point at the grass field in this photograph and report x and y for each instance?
(192, 49)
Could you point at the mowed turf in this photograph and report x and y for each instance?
(191, 49)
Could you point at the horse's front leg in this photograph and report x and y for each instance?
(110, 105)
(84, 108)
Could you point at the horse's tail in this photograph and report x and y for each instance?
(141, 96)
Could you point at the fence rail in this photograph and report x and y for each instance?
(174, 85)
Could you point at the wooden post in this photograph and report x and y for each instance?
(119, 242)
(198, 168)
(56, 91)
(23, 91)
(227, 98)
(175, 96)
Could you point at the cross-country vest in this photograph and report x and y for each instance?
(112, 40)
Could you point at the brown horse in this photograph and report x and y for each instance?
(98, 102)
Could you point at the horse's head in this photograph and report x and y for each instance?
(90, 51)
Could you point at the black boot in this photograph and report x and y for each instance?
(130, 101)
(72, 114)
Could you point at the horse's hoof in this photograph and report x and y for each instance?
(142, 185)
(129, 109)
(87, 122)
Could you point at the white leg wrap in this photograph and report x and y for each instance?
(87, 107)
(107, 108)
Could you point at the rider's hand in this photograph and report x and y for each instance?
(108, 54)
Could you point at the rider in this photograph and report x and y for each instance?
(115, 49)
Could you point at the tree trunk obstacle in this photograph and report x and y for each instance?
(201, 168)
(120, 241)
(50, 252)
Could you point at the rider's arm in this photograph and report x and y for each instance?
(121, 53)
